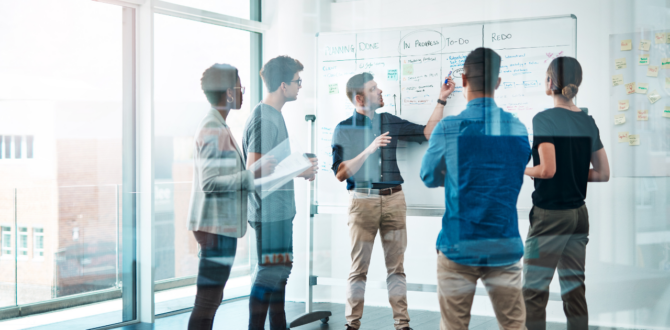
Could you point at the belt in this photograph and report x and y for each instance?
(381, 192)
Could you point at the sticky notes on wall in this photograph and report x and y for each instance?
(653, 97)
(620, 63)
(626, 44)
(392, 75)
(634, 139)
(643, 59)
(666, 112)
(623, 136)
(652, 71)
(644, 45)
(617, 80)
(642, 88)
(619, 119)
(665, 63)
(623, 105)
(407, 69)
(659, 38)
(630, 88)
(333, 89)
(642, 115)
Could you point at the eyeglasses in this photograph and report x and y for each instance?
(299, 81)
(242, 89)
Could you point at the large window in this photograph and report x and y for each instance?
(6, 241)
(38, 243)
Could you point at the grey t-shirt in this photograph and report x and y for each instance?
(264, 130)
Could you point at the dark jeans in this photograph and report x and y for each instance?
(556, 239)
(217, 254)
(274, 242)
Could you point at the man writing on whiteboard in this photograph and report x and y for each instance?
(364, 154)
(479, 157)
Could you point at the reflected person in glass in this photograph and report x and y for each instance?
(479, 157)
(218, 208)
(566, 142)
(272, 216)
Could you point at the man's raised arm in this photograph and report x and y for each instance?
(349, 167)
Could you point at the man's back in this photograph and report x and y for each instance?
(479, 156)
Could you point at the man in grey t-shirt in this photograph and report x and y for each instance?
(272, 217)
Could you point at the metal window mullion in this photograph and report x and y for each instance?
(204, 16)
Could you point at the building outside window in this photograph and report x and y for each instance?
(38, 242)
(22, 146)
(23, 242)
(6, 240)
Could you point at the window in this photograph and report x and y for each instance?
(8, 147)
(23, 242)
(29, 146)
(38, 243)
(6, 240)
(17, 147)
(16, 143)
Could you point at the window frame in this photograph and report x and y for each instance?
(36, 251)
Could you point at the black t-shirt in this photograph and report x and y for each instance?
(575, 137)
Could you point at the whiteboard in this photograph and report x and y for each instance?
(409, 64)
(652, 156)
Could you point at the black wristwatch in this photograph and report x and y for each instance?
(441, 102)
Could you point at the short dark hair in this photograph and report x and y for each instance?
(566, 76)
(356, 85)
(482, 67)
(216, 80)
(280, 69)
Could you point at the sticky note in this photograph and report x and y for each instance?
(333, 89)
(620, 63)
(617, 80)
(623, 136)
(642, 88)
(644, 45)
(653, 97)
(643, 59)
(660, 38)
(667, 82)
(619, 119)
(665, 63)
(392, 75)
(634, 139)
(642, 115)
(666, 112)
(630, 88)
(626, 44)
(652, 71)
(667, 38)
(623, 105)
(407, 69)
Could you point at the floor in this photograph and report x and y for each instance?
(234, 316)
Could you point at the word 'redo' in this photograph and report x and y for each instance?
(500, 37)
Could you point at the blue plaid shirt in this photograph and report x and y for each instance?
(479, 156)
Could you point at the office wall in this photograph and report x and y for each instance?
(616, 252)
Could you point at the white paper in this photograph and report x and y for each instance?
(290, 165)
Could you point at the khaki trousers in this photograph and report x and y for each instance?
(367, 215)
(556, 239)
(456, 286)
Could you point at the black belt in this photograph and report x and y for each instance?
(381, 192)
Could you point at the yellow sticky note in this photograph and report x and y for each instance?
(626, 44)
(642, 88)
(667, 82)
(643, 59)
(617, 80)
(624, 105)
(660, 38)
(619, 119)
(630, 88)
(653, 97)
(667, 38)
(666, 112)
(623, 136)
(642, 115)
(333, 89)
(620, 63)
(665, 63)
(652, 71)
(634, 139)
(644, 45)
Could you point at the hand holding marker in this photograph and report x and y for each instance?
(446, 81)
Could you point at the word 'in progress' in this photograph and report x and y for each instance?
(500, 37)
(419, 43)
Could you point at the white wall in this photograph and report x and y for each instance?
(615, 275)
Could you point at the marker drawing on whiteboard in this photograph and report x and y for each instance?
(446, 81)
(395, 105)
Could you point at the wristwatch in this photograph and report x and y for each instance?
(442, 102)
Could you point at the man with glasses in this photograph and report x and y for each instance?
(364, 154)
(272, 217)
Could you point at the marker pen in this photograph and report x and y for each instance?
(446, 81)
